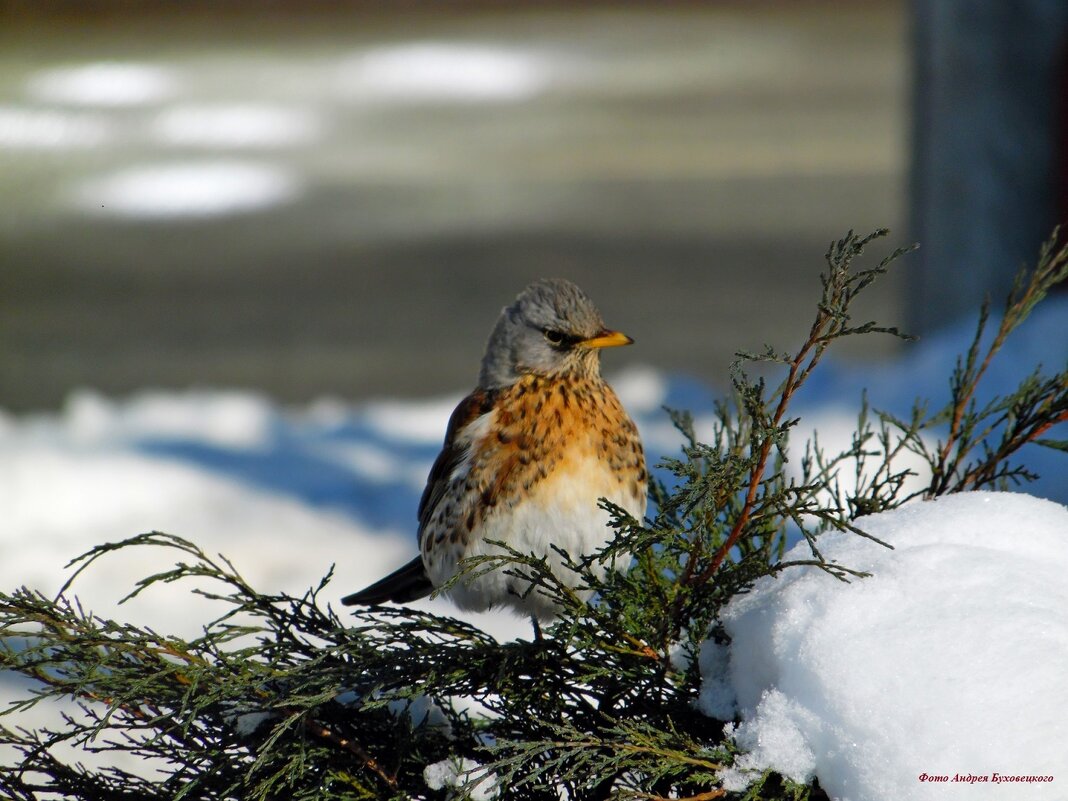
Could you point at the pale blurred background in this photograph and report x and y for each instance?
(338, 199)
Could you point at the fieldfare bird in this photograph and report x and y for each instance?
(527, 456)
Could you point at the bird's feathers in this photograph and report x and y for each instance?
(530, 473)
(453, 451)
(410, 582)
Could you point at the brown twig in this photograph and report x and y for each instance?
(369, 762)
(794, 380)
(707, 796)
(1050, 271)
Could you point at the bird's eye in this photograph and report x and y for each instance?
(554, 338)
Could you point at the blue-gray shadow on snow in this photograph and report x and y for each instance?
(291, 462)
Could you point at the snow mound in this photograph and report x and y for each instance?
(946, 666)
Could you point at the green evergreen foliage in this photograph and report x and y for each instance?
(282, 698)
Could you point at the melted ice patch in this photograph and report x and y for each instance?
(104, 83)
(47, 129)
(238, 125)
(444, 71)
(195, 189)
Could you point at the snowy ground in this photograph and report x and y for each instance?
(941, 676)
(285, 493)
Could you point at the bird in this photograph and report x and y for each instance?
(527, 456)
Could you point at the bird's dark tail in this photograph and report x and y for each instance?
(408, 583)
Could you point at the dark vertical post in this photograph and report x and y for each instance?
(987, 156)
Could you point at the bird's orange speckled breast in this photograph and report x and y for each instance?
(554, 429)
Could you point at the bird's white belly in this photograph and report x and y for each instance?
(562, 510)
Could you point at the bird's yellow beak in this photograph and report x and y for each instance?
(608, 339)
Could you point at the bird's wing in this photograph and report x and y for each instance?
(453, 451)
(410, 582)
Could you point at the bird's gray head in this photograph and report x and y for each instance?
(552, 329)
